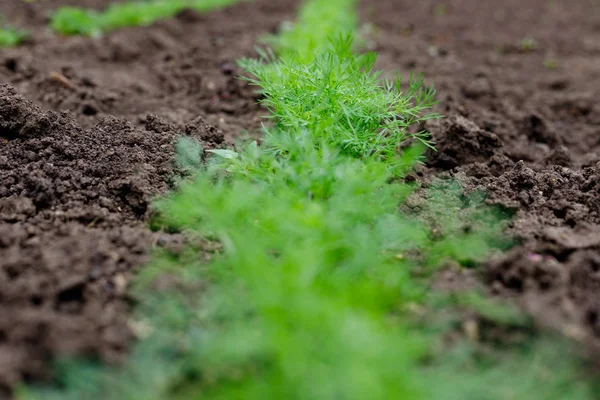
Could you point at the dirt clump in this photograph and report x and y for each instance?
(72, 207)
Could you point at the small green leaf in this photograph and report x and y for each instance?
(227, 154)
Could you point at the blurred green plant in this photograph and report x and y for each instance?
(10, 36)
(550, 63)
(528, 44)
(81, 21)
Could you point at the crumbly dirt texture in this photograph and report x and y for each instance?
(88, 127)
(87, 135)
(519, 82)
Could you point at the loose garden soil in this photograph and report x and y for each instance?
(88, 126)
(519, 83)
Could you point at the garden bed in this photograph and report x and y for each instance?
(517, 85)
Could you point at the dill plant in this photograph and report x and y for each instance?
(340, 102)
(311, 233)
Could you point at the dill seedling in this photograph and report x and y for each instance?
(10, 36)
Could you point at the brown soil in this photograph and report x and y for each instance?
(518, 81)
(87, 134)
(87, 129)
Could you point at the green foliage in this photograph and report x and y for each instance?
(80, 21)
(10, 36)
(76, 21)
(339, 100)
(310, 232)
(543, 368)
(550, 63)
(453, 214)
(527, 44)
(318, 21)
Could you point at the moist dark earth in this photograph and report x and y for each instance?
(519, 83)
(88, 127)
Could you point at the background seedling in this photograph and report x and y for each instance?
(440, 10)
(551, 63)
(528, 44)
(81, 21)
(10, 36)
